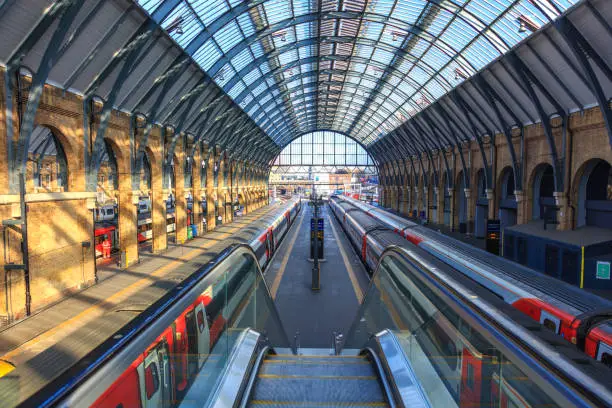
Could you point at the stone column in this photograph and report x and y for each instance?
(159, 223)
(521, 216)
(451, 193)
(211, 222)
(221, 189)
(440, 205)
(416, 203)
(471, 210)
(180, 211)
(564, 215)
(196, 189)
(491, 199)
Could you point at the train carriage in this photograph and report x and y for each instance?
(574, 314)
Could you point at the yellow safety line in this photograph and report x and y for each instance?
(5, 368)
(582, 270)
(349, 267)
(317, 377)
(103, 304)
(281, 270)
(321, 404)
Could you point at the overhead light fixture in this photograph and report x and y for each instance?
(526, 24)
(460, 74)
(176, 26)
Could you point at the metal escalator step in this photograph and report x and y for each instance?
(291, 367)
(297, 404)
(304, 389)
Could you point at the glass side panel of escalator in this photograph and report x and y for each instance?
(455, 363)
(197, 346)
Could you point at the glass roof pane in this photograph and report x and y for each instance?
(356, 78)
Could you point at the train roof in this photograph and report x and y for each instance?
(583, 236)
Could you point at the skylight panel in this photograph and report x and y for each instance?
(259, 89)
(409, 10)
(265, 99)
(287, 57)
(435, 89)
(246, 24)
(277, 10)
(252, 76)
(248, 99)
(150, 5)
(243, 59)
(257, 49)
(301, 7)
(304, 31)
(207, 55)
(228, 36)
(190, 24)
(435, 58)
(382, 56)
(372, 31)
(209, 10)
(480, 53)
(224, 75)
(306, 52)
(440, 22)
(236, 90)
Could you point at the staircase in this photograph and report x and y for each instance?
(317, 381)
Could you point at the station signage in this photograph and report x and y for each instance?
(603, 270)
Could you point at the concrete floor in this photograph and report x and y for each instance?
(316, 315)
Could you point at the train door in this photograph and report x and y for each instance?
(155, 378)
(198, 335)
(471, 379)
(272, 246)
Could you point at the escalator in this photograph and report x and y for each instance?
(284, 380)
(420, 339)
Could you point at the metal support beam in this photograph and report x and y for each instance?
(586, 55)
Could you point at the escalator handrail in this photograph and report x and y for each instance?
(502, 328)
(68, 381)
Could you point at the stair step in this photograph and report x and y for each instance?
(322, 389)
(317, 359)
(292, 367)
(294, 404)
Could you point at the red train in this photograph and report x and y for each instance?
(576, 315)
(161, 375)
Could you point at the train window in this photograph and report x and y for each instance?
(151, 380)
(201, 321)
(550, 325)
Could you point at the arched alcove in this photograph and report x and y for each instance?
(594, 201)
(47, 168)
(507, 199)
(542, 188)
(331, 160)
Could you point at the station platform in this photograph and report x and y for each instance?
(316, 315)
(56, 337)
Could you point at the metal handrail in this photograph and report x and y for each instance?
(61, 386)
(525, 345)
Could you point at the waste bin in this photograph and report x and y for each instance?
(189, 233)
(194, 232)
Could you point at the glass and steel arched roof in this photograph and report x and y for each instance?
(361, 67)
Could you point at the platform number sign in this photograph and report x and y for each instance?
(603, 270)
